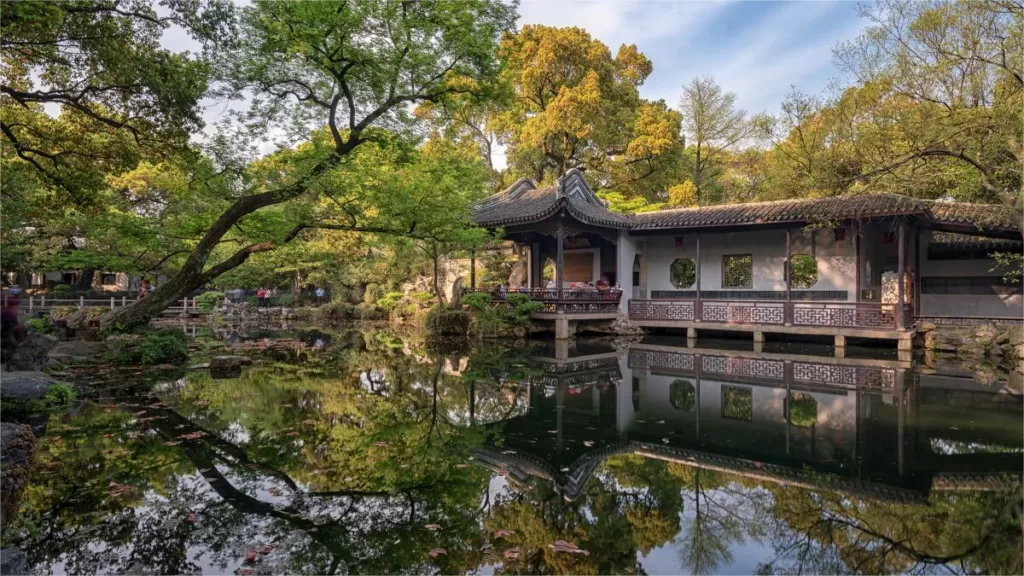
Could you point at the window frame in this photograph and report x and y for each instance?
(689, 286)
(744, 390)
(750, 283)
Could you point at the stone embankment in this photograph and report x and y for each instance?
(1000, 345)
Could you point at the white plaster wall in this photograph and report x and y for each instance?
(625, 252)
(836, 260)
(988, 305)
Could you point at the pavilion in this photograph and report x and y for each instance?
(871, 265)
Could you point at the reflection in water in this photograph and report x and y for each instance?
(354, 452)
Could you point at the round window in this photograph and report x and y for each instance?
(683, 273)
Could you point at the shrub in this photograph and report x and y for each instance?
(477, 301)
(373, 293)
(286, 299)
(43, 325)
(305, 312)
(94, 312)
(251, 300)
(62, 290)
(62, 312)
(421, 297)
(59, 394)
(366, 311)
(337, 310)
(207, 300)
(444, 322)
(389, 300)
(163, 346)
(520, 307)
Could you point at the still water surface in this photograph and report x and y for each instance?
(352, 452)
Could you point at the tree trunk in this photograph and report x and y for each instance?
(85, 279)
(437, 286)
(142, 311)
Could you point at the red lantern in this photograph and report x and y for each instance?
(888, 238)
(840, 234)
(679, 241)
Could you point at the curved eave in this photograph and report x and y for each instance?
(551, 210)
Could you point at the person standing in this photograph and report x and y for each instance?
(144, 290)
(261, 297)
(319, 296)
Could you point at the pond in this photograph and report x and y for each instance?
(351, 451)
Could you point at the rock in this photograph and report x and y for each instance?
(455, 301)
(17, 445)
(201, 366)
(219, 362)
(995, 352)
(986, 332)
(925, 327)
(13, 561)
(118, 344)
(77, 350)
(32, 352)
(1003, 338)
(25, 385)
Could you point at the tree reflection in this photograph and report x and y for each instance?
(356, 458)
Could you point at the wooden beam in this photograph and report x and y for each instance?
(917, 271)
(860, 264)
(901, 270)
(697, 309)
(559, 254)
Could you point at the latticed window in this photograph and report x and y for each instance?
(682, 394)
(737, 271)
(803, 410)
(683, 273)
(737, 403)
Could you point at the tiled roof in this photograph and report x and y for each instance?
(801, 210)
(524, 203)
(980, 216)
(954, 241)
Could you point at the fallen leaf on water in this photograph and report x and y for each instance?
(191, 436)
(171, 443)
(292, 433)
(309, 422)
(157, 405)
(243, 572)
(202, 403)
(508, 451)
(563, 546)
(665, 440)
(108, 435)
(588, 443)
(552, 431)
(180, 426)
(210, 479)
(433, 526)
(660, 422)
(139, 413)
(504, 533)
(250, 556)
(437, 552)
(287, 405)
(382, 443)
(512, 554)
(461, 465)
(319, 471)
(403, 465)
(275, 491)
(565, 469)
(266, 549)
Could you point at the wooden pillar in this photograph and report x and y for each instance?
(472, 270)
(698, 312)
(559, 254)
(787, 314)
(901, 271)
(916, 282)
(859, 264)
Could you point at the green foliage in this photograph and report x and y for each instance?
(42, 324)
(160, 346)
(207, 300)
(737, 403)
(62, 312)
(286, 299)
(337, 310)
(390, 300)
(421, 297)
(62, 290)
(805, 271)
(441, 321)
(477, 301)
(520, 308)
(803, 410)
(94, 312)
(683, 273)
(737, 271)
(1011, 264)
(682, 394)
(372, 293)
(364, 311)
(59, 394)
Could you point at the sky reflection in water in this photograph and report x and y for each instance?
(364, 455)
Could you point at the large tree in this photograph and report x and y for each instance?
(713, 125)
(349, 66)
(575, 105)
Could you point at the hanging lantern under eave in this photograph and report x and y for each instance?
(679, 242)
(888, 238)
(840, 234)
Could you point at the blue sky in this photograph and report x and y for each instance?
(755, 49)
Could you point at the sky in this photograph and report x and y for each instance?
(756, 49)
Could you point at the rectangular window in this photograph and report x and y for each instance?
(108, 278)
(738, 271)
(737, 403)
